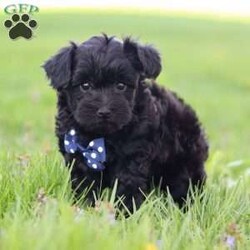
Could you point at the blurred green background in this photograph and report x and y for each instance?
(205, 60)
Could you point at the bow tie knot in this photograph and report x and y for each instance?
(94, 153)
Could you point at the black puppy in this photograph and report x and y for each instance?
(113, 124)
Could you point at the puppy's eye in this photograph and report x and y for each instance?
(121, 86)
(85, 86)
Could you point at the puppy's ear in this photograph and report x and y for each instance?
(59, 67)
(145, 59)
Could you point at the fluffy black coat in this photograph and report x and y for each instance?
(151, 135)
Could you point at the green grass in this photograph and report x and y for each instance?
(206, 60)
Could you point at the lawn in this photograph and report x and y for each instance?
(205, 60)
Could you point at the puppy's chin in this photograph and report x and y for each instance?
(101, 128)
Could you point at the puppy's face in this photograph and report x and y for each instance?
(100, 79)
(103, 90)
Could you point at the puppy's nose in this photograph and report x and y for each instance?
(104, 112)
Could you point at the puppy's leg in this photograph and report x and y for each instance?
(180, 184)
(132, 183)
(83, 180)
(187, 168)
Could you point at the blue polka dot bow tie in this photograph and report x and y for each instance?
(94, 153)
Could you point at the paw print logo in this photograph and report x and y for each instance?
(20, 26)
